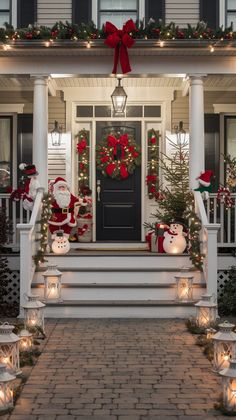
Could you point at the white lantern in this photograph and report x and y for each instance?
(9, 348)
(60, 245)
(52, 284)
(229, 386)
(34, 311)
(206, 311)
(184, 288)
(210, 332)
(6, 388)
(26, 340)
(224, 342)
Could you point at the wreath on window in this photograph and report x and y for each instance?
(117, 157)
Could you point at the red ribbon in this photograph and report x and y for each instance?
(120, 40)
(113, 142)
(81, 146)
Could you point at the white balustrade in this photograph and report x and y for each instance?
(16, 214)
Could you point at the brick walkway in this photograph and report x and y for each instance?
(119, 369)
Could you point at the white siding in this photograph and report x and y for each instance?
(182, 12)
(50, 12)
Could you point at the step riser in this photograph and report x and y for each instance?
(162, 277)
(122, 294)
(124, 312)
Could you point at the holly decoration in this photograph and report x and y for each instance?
(83, 158)
(152, 179)
(118, 156)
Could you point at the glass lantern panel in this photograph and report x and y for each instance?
(9, 355)
(229, 393)
(53, 288)
(184, 290)
(223, 352)
(6, 396)
(34, 317)
(206, 316)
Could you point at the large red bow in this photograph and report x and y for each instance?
(113, 142)
(120, 40)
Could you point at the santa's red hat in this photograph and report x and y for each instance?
(60, 182)
(205, 178)
(28, 170)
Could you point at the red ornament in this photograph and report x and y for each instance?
(120, 40)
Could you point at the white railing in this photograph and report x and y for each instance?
(29, 246)
(16, 214)
(208, 238)
(217, 213)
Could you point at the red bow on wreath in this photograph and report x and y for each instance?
(114, 142)
(81, 146)
(120, 40)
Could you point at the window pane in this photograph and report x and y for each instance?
(118, 5)
(118, 19)
(231, 136)
(231, 18)
(5, 152)
(4, 4)
(4, 17)
(231, 5)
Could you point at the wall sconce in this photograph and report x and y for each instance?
(26, 340)
(229, 386)
(34, 312)
(56, 134)
(206, 311)
(180, 133)
(9, 348)
(184, 288)
(52, 284)
(6, 388)
(119, 98)
(224, 342)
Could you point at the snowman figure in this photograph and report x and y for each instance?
(60, 243)
(174, 240)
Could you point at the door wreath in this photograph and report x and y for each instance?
(117, 157)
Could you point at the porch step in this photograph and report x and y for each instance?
(121, 309)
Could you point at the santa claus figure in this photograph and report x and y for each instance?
(31, 184)
(64, 207)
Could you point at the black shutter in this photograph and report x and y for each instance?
(81, 11)
(209, 12)
(155, 9)
(212, 146)
(26, 13)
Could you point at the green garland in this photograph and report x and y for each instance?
(152, 179)
(43, 232)
(83, 158)
(153, 30)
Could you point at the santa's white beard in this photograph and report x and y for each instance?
(62, 198)
(33, 185)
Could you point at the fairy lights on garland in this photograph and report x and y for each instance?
(152, 179)
(224, 192)
(194, 227)
(117, 157)
(43, 232)
(153, 30)
(83, 158)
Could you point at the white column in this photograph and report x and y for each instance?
(196, 143)
(40, 129)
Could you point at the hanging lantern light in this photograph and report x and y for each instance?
(229, 386)
(9, 348)
(6, 388)
(119, 98)
(206, 311)
(184, 288)
(26, 340)
(34, 311)
(224, 342)
(52, 284)
(56, 135)
(180, 133)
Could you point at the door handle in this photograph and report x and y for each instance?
(98, 189)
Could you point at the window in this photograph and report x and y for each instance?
(4, 12)
(117, 11)
(5, 152)
(231, 13)
(230, 125)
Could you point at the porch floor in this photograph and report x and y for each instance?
(119, 369)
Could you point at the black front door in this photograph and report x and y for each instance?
(118, 206)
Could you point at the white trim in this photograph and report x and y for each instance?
(11, 108)
(222, 17)
(95, 12)
(224, 108)
(142, 10)
(14, 13)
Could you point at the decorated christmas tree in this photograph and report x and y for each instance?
(176, 201)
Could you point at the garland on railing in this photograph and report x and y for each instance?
(153, 30)
(195, 225)
(43, 232)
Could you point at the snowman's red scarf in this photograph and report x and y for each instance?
(171, 233)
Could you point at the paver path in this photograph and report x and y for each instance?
(119, 369)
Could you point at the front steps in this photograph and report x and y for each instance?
(119, 284)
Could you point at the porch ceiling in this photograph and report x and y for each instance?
(211, 82)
